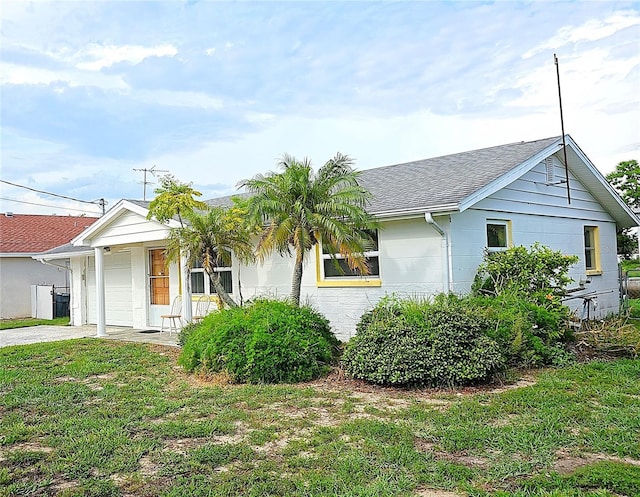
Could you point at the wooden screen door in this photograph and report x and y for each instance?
(158, 286)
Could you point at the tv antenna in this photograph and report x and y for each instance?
(564, 143)
(153, 172)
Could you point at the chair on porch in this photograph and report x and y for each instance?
(174, 316)
(202, 308)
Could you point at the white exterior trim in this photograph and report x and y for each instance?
(100, 300)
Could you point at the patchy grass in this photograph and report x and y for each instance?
(102, 418)
(6, 324)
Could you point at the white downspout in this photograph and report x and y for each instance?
(446, 253)
(100, 300)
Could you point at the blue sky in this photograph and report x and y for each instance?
(215, 92)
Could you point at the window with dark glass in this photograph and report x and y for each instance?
(497, 235)
(336, 266)
(200, 279)
(591, 256)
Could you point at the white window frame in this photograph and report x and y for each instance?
(507, 227)
(207, 280)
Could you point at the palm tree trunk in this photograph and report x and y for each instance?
(296, 282)
(217, 286)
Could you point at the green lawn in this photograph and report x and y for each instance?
(6, 324)
(103, 418)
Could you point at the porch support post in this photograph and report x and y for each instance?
(187, 311)
(101, 320)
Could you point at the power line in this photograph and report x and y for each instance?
(44, 205)
(101, 202)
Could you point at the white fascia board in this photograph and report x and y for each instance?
(17, 254)
(83, 239)
(509, 177)
(416, 212)
(62, 255)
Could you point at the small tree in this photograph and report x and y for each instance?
(174, 199)
(626, 180)
(302, 207)
(538, 274)
(212, 237)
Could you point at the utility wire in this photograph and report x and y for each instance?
(45, 205)
(100, 202)
(49, 193)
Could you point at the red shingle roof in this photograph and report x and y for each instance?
(30, 234)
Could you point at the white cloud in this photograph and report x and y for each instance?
(170, 98)
(108, 55)
(14, 74)
(592, 30)
(375, 142)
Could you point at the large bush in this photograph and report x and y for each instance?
(537, 274)
(268, 341)
(528, 334)
(408, 342)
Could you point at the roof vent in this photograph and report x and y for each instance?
(550, 169)
(8, 214)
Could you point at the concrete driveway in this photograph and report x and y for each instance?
(37, 334)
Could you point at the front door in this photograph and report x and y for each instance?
(158, 287)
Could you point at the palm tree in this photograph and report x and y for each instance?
(174, 198)
(302, 207)
(211, 237)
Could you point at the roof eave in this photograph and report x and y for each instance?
(416, 211)
(62, 255)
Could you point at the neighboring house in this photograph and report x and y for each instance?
(21, 237)
(438, 217)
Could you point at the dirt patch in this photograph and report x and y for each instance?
(65, 379)
(147, 466)
(183, 445)
(432, 492)
(468, 460)
(567, 463)
(31, 447)
(337, 381)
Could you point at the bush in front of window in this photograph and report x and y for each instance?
(268, 341)
(413, 343)
(538, 274)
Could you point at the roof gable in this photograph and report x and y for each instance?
(125, 222)
(31, 234)
(457, 182)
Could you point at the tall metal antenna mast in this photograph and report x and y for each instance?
(153, 171)
(564, 143)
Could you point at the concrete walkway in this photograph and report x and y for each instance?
(37, 334)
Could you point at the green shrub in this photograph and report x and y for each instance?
(268, 341)
(408, 342)
(185, 332)
(528, 334)
(537, 274)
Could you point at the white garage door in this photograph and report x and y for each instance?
(118, 292)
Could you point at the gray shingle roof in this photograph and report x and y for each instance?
(429, 184)
(443, 181)
(438, 182)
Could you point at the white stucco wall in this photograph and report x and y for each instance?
(410, 265)
(17, 274)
